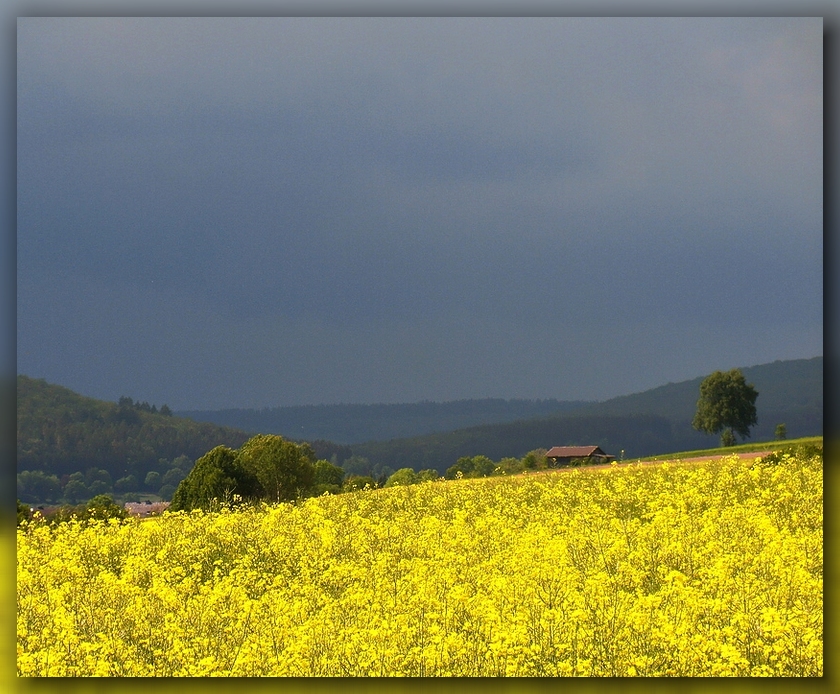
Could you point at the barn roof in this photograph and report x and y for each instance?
(574, 451)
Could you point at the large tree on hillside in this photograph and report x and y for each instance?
(726, 404)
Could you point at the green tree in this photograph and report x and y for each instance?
(464, 465)
(781, 432)
(215, 478)
(35, 485)
(94, 475)
(152, 480)
(123, 484)
(356, 465)
(509, 466)
(98, 487)
(726, 404)
(75, 489)
(285, 470)
(328, 478)
(103, 506)
(475, 466)
(535, 460)
(173, 476)
(182, 462)
(402, 478)
(166, 492)
(428, 475)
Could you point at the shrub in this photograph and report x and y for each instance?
(402, 478)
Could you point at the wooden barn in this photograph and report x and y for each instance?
(587, 455)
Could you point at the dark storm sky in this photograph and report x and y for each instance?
(234, 212)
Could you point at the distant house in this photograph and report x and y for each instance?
(566, 455)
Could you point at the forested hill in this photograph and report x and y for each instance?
(131, 447)
(61, 432)
(788, 389)
(351, 424)
(653, 422)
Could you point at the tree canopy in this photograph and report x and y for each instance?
(216, 477)
(726, 404)
(285, 470)
(266, 467)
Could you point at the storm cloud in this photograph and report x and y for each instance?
(218, 212)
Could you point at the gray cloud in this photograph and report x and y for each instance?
(364, 181)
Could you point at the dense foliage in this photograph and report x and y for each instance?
(266, 467)
(71, 448)
(726, 404)
(678, 569)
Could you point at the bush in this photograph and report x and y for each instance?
(403, 477)
(103, 507)
(320, 489)
(535, 460)
(124, 484)
(476, 466)
(153, 480)
(509, 466)
(327, 474)
(24, 513)
(804, 451)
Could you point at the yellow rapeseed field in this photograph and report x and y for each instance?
(675, 569)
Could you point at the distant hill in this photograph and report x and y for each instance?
(352, 424)
(60, 430)
(104, 447)
(653, 422)
(92, 445)
(787, 389)
(67, 442)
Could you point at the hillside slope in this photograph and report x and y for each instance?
(657, 421)
(61, 433)
(103, 447)
(786, 388)
(352, 424)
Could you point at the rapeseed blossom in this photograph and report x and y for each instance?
(712, 569)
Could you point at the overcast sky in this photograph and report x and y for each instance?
(235, 212)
